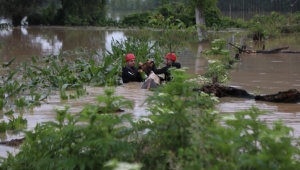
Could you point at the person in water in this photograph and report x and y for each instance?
(130, 73)
(170, 61)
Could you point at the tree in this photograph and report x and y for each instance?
(83, 12)
(200, 7)
(18, 9)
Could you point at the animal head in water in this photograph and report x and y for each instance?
(147, 68)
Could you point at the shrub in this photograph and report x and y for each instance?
(244, 142)
(136, 19)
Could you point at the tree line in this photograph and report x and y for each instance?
(259, 5)
(93, 12)
(55, 12)
(224, 5)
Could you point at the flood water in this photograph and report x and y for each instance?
(256, 73)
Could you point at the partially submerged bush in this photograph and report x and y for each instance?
(217, 47)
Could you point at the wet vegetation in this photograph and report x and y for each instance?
(260, 27)
(183, 129)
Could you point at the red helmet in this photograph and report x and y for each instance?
(171, 56)
(129, 57)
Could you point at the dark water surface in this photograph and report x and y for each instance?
(256, 73)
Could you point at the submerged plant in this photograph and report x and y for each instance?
(217, 71)
(1, 104)
(6, 64)
(3, 126)
(17, 123)
(70, 146)
(81, 92)
(217, 47)
(63, 94)
(182, 131)
(21, 102)
(109, 103)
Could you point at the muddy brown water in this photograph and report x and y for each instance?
(256, 73)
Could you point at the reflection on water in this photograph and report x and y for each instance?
(5, 20)
(40, 41)
(256, 73)
(116, 35)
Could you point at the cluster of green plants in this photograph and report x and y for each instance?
(217, 69)
(217, 48)
(109, 103)
(16, 124)
(227, 22)
(144, 48)
(63, 73)
(244, 142)
(41, 75)
(136, 19)
(266, 26)
(254, 6)
(79, 92)
(139, 5)
(179, 11)
(183, 131)
(174, 13)
(68, 12)
(259, 27)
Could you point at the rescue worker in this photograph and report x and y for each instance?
(170, 61)
(130, 73)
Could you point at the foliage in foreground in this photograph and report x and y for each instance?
(244, 142)
(182, 132)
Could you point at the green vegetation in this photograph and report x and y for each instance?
(217, 48)
(266, 26)
(243, 143)
(260, 26)
(18, 9)
(232, 5)
(41, 75)
(18, 123)
(108, 103)
(182, 131)
(175, 13)
(15, 124)
(68, 76)
(218, 68)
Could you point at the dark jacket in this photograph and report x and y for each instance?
(130, 74)
(165, 70)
